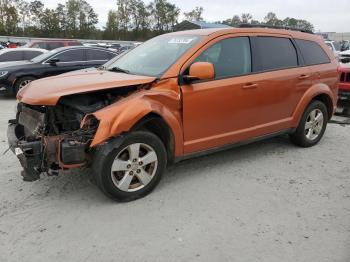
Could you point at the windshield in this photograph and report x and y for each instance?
(155, 56)
(43, 56)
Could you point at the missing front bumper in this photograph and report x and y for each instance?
(28, 153)
(47, 154)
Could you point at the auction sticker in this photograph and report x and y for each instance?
(180, 40)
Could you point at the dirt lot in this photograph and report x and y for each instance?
(268, 201)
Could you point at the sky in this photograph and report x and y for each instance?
(325, 15)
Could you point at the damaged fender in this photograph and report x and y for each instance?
(122, 116)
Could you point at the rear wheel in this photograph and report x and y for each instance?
(312, 125)
(22, 82)
(133, 169)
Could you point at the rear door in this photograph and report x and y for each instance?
(316, 59)
(280, 78)
(97, 57)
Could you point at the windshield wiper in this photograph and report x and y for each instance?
(118, 69)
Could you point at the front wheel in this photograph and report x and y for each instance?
(131, 169)
(312, 125)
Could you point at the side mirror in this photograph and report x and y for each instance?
(200, 71)
(53, 61)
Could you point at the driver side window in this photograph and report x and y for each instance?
(230, 57)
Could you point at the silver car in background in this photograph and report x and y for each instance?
(9, 55)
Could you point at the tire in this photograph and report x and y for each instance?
(123, 173)
(21, 82)
(315, 117)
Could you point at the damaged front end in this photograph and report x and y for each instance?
(49, 138)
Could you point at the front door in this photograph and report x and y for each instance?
(69, 60)
(226, 109)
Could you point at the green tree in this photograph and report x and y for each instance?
(164, 15)
(271, 19)
(49, 23)
(195, 14)
(9, 17)
(123, 16)
(246, 18)
(111, 29)
(234, 21)
(61, 12)
(36, 9)
(139, 15)
(80, 19)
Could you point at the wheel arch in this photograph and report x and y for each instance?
(320, 92)
(327, 100)
(154, 123)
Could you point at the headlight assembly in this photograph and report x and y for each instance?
(3, 73)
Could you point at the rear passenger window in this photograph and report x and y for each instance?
(230, 57)
(312, 53)
(98, 55)
(76, 55)
(276, 53)
(11, 56)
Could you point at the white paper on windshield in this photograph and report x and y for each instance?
(178, 40)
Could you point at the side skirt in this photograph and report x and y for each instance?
(230, 146)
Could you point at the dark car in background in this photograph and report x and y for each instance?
(19, 54)
(52, 44)
(16, 75)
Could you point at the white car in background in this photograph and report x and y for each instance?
(9, 55)
(344, 56)
(334, 46)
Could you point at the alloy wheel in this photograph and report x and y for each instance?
(134, 167)
(314, 124)
(24, 83)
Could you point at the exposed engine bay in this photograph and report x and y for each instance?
(49, 138)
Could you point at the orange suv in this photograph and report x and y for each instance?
(176, 96)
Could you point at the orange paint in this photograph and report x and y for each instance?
(207, 114)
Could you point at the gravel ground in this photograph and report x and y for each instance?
(268, 201)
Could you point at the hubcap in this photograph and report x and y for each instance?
(24, 83)
(134, 167)
(314, 124)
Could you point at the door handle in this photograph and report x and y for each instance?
(250, 86)
(301, 77)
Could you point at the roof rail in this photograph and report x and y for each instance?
(245, 25)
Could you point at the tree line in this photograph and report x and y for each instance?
(270, 19)
(74, 19)
(128, 20)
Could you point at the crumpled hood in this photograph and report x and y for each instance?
(48, 91)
